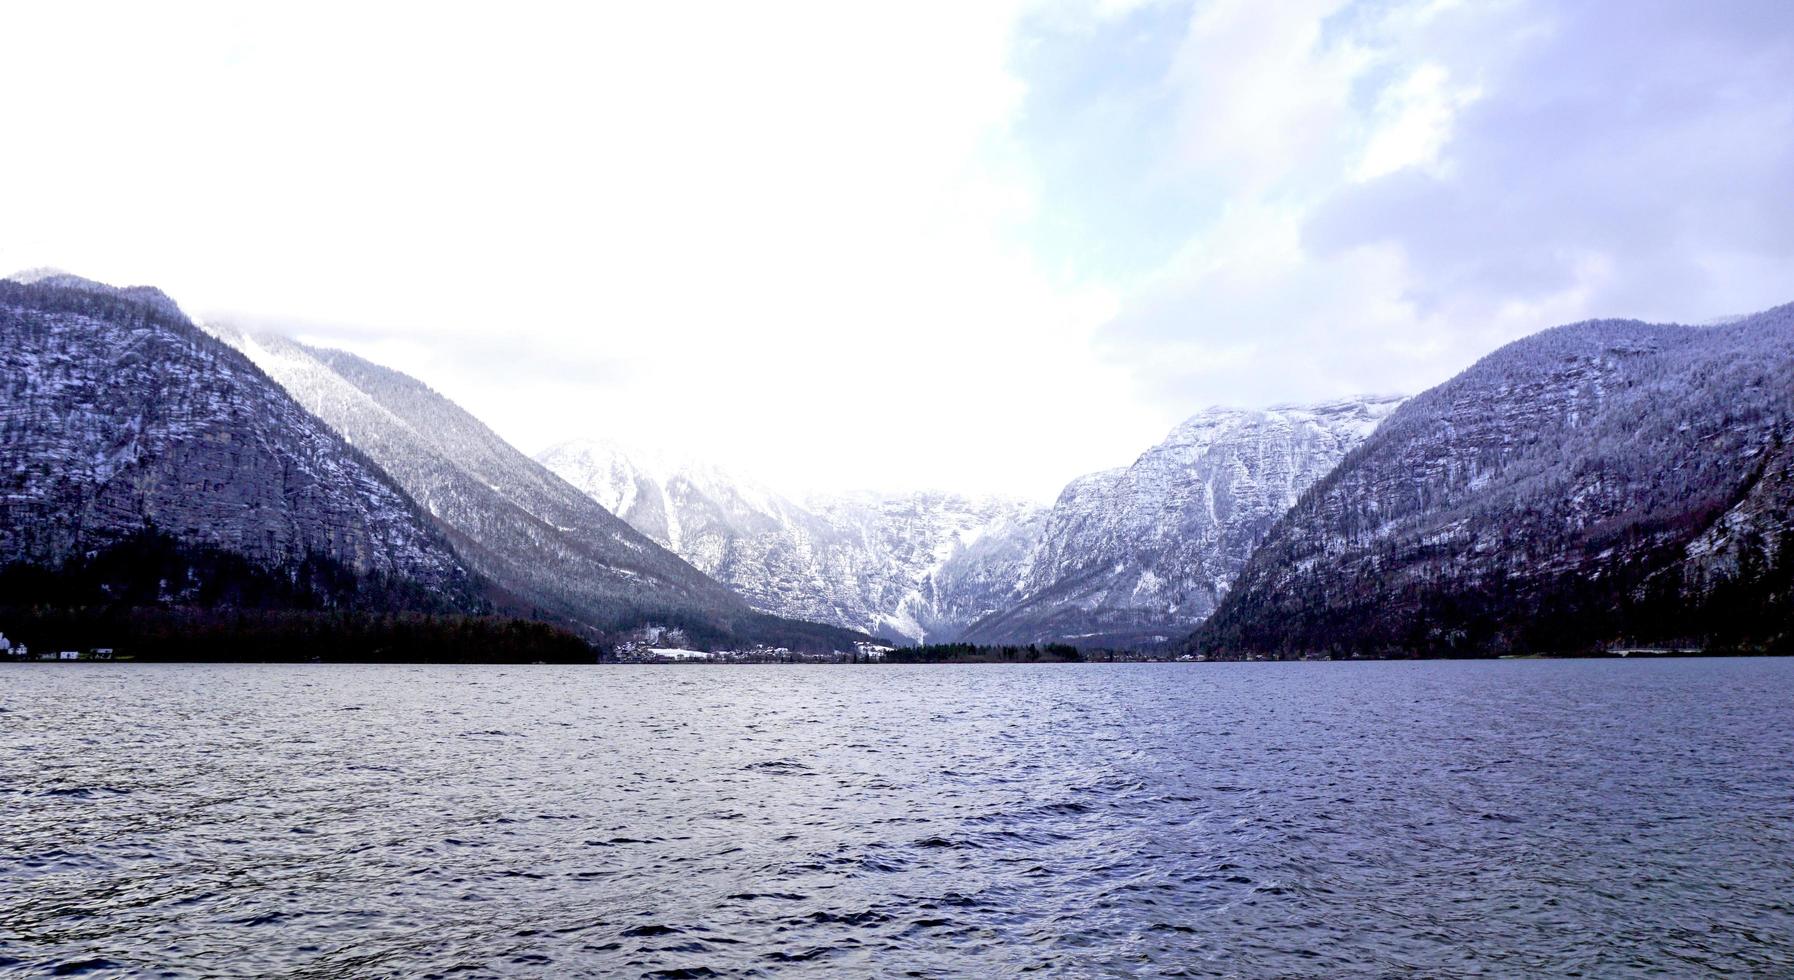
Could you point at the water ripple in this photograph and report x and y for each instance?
(1543, 818)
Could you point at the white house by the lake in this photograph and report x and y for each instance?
(871, 652)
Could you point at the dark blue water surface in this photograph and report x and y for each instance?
(1439, 819)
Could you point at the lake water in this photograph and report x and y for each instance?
(1439, 819)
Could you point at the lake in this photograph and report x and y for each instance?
(1427, 818)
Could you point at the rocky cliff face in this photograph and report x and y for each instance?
(927, 564)
(514, 521)
(981, 575)
(117, 415)
(869, 562)
(1141, 554)
(1596, 483)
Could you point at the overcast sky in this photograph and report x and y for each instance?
(968, 245)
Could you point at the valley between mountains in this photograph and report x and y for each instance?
(1594, 486)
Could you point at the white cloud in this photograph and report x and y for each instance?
(1259, 95)
(778, 235)
(1412, 122)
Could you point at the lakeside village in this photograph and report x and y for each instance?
(19, 651)
(665, 645)
(668, 645)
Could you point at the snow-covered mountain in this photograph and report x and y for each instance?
(1143, 553)
(879, 563)
(515, 522)
(1602, 482)
(1125, 556)
(118, 416)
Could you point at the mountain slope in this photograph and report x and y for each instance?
(1139, 555)
(869, 562)
(119, 417)
(513, 520)
(1603, 482)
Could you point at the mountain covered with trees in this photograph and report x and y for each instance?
(150, 596)
(1600, 485)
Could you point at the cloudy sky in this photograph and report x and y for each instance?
(978, 246)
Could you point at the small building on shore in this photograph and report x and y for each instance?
(871, 652)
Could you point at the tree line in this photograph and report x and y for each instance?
(149, 597)
(972, 653)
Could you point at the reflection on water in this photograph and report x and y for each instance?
(1312, 819)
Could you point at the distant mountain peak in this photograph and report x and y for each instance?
(866, 560)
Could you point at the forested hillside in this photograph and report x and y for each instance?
(1599, 485)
